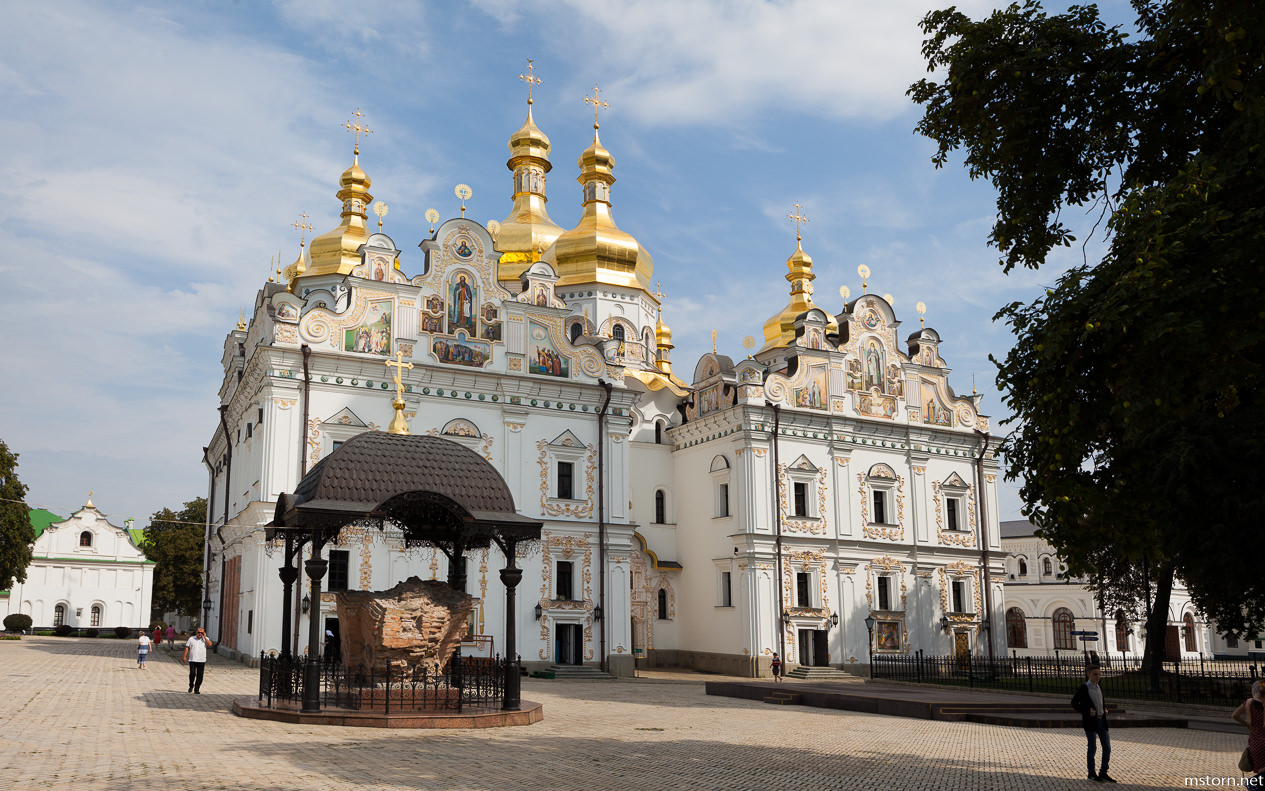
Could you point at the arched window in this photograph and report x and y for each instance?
(1122, 631)
(1188, 626)
(617, 332)
(660, 508)
(1023, 567)
(663, 605)
(658, 433)
(1064, 623)
(96, 615)
(1016, 628)
(1046, 567)
(59, 615)
(85, 538)
(576, 329)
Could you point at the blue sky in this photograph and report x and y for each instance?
(157, 154)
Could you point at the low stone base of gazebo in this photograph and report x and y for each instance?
(471, 718)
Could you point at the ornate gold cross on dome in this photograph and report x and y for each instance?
(659, 295)
(358, 128)
(798, 218)
(399, 365)
(530, 78)
(302, 226)
(596, 101)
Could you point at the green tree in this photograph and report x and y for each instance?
(176, 542)
(17, 537)
(1135, 382)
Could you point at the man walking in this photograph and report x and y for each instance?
(195, 655)
(1089, 702)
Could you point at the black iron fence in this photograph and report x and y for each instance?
(1219, 682)
(470, 682)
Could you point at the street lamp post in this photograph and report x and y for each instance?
(869, 627)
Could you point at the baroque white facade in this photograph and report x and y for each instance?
(85, 573)
(766, 506)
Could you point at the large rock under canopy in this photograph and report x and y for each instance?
(416, 623)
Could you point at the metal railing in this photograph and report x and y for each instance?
(1215, 682)
(475, 682)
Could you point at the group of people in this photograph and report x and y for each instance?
(194, 653)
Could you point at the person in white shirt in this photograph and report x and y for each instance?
(195, 655)
(142, 651)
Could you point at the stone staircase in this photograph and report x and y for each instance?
(806, 673)
(580, 672)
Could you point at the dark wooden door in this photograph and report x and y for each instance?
(821, 648)
(1172, 644)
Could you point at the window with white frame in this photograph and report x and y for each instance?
(565, 465)
(803, 589)
(565, 481)
(881, 486)
(952, 513)
(802, 481)
(564, 579)
(95, 619)
(961, 595)
(720, 484)
(85, 538)
(800, 496)
(954, 494)
(883, 588)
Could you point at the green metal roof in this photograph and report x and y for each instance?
(41, 519)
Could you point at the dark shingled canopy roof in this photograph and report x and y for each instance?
(421, 482)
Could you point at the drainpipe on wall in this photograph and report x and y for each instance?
(206, 529)
(219, 531)
(307, 389)
(987, 581)
(777, 509)
(601, 519)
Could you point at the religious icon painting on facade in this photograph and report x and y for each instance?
(461, 351)
(887, 635)
(432, 324)
(710, 401)
(542, 357)
(872, 366)
(933, 411)
(491, 332)
(813, 394)
(461, 298)
(463, 249)
(373, 336)
(435, 304)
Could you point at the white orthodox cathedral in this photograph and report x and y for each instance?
(704, 517)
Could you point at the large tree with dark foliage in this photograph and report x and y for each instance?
(1135, 381)
(175, 541)
(17, 537)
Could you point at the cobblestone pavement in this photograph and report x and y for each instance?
(77, 714)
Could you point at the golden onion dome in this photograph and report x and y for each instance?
(596, 250)
(780, 329)
(527, 232)
(338, 251)
(297, 269)
(663, 339)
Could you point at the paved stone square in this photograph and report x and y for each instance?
(77, 714)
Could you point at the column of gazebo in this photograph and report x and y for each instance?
(511, 575)
(316, 568)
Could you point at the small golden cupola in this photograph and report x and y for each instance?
(663, 340)
(527, 232)
(779, 330)
(596, 250)
(338, 251)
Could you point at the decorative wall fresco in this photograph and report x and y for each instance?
(812, 395)
(462, 351)
(542, 357)
(887, 635)
(373, 336)
(462, 296)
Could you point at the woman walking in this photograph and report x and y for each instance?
(142, 651)
(1251, 713)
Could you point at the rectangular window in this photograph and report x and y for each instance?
(801, 499)
(250, 621)
(959, 596)
(1231, 641)
(884, 593)
(951, 512)
(726, 599)
(723, 505)
(563, 590)
(803, 589)
(565, 470)
(339, 561)
(880, 508)
(338, 443)
(96, 616)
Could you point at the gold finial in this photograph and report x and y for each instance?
(845, 292)
(357, 129)
(713, 341)
(241, 321)
(921, 307)
(464, 192)
(271, 262)
(302, 226)
(864, 272)
(398, 424)
(380, 209)
(798, 218)
(659, 295)
(432, 217)
(973, 390)
(748, 343)
(89, 503)
(530, 78)
(494, 229)
(597, 103)
(889, 299)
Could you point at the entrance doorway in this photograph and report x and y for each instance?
(962, 649)
(568, 644)
(814, 648)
